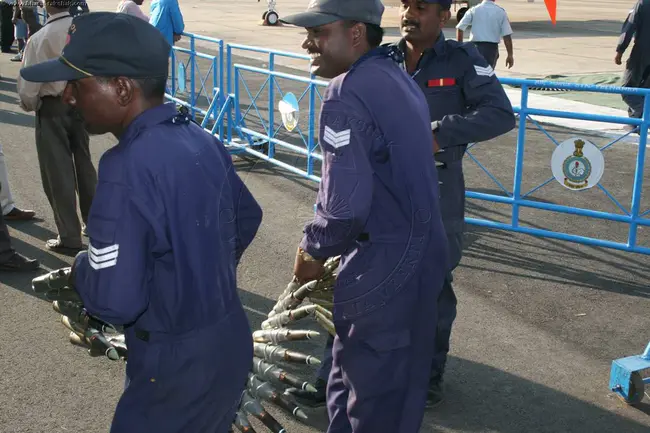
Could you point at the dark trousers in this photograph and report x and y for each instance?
(446, 315)
(489, 51)
(66, 166)
(635, 77)
(6, 250)
(6, 26)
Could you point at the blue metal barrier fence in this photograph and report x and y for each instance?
(227, 116)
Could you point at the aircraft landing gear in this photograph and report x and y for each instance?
(271, 17)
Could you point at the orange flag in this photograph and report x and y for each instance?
(551, 7)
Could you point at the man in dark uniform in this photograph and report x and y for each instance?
(466, 103)
(637, 67)
(168, 224)
(377, 208)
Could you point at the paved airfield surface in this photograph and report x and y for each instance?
(539, 320)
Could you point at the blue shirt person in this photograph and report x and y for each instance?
(466, 104)
(378, 208)
(168, 224)
(166, 16)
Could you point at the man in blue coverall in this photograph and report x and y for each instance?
(466, 104)
(167, 227)
(378, 208)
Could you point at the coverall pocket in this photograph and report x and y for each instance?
(378, 363)
(443, 100)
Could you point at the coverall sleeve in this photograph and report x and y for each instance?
(629, 28)
(345, 192)
(111, 275)
(248, 213)
(177, 17)
(488, 112)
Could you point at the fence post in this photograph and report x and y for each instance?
(192, 68)
(237, 108)
(638, 174)
(229, 80)
(519, 157)
(312, 126)
(271, 151)
(173, 62)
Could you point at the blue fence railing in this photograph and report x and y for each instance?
(216, 86)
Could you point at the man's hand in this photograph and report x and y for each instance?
(177, 37)
(510, 61)
(436, 146)
(307, 268)
(619, 58)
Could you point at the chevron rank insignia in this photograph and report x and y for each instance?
(486, 71)
(336, 139)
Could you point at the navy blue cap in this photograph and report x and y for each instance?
(321, 12)
(106, 44)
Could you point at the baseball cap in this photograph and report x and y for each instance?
(106, 44)
(321, 12)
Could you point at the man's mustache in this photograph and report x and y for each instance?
(407, 23)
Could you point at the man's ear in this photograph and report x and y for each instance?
(125, 90)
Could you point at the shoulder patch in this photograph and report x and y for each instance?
(484, 71)
(336, 139)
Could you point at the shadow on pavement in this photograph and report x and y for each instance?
(514, 251)
(481, 398)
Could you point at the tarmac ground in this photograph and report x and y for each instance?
(539, 320)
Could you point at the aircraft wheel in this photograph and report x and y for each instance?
(271, 18)
(264, 15)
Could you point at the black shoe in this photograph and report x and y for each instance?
(311, 399)
(18, 263)
(436, 394)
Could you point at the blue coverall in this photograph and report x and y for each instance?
(168, 224)
(378, 208)
(468, 104)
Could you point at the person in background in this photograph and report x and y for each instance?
(61, 139)
(637, 67)
(489, 23)
(29, 13)
(166, 16)
(6, 25)
(9, 210)
(78, 7)
(21, 31)
(132, 7)
(10, 260)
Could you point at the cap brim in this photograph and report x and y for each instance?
(51, 71)
(310, 19)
